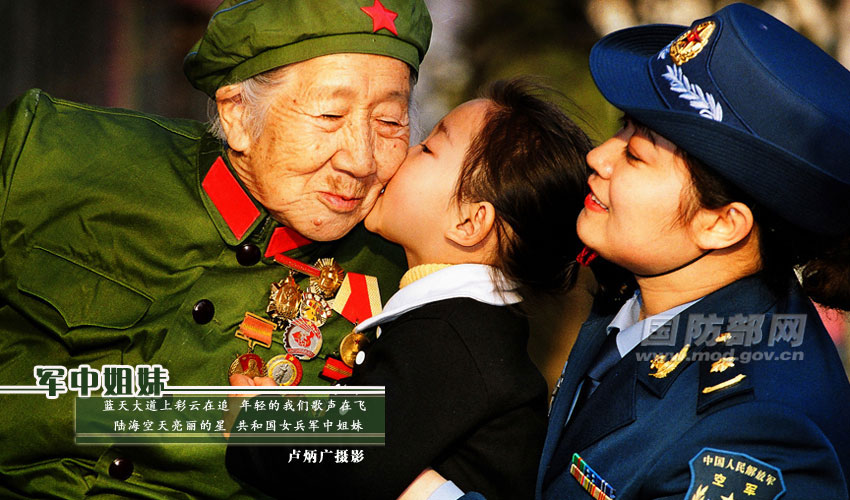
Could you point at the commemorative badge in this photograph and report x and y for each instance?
(352, 344)
(691, 43)
(284, 300)
(727, 475)
(255, 330)
(300, 313)
(302, 339)
(285, 369)
(315, 308)
(249, 365)
(329, 279)
(590, 480)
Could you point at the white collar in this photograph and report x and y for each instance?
(473, 281)
(632, 332)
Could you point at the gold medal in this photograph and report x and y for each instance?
(284, 300)
(353, 343)
(249, 365)
(329, 279)
(285, 369)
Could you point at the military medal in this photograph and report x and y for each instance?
(359, 297)
(249, 365)
(353, 343)
(285, 369)
(284, 300)
(329, 279)
(255, 330)
(315, 308)
(302, 339)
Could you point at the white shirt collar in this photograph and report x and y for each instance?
(473, 281)
(632, 332)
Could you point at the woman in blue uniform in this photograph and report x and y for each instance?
(715, 377)
(706, 372)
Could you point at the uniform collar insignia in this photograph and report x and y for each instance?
(232, 202)
(283, 240)
(235, 213)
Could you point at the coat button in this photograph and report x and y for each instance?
(203, 311)
(121, 468)
(248, 254)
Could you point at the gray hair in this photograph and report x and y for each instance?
(257, 95)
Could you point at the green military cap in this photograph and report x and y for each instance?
(247, 37)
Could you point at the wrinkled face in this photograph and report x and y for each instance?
(417, 205)
(631, 215)
(335, 133)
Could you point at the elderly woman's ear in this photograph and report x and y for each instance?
(231, 109)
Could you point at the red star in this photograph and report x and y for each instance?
(381, 16)
(693, 36)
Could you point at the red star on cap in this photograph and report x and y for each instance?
(381, 16)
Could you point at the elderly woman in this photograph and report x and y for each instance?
(130, 239)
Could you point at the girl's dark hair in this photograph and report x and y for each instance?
(823, 262)
(528, 160)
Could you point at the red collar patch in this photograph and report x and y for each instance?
(231, 201)
(285, 239)
(382, 17)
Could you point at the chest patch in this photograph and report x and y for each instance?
(726, 475)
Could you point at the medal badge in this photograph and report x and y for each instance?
(255, 330)
(285, 369)
(302, 339)
(284, 300)
(329, 279)
(299, 313)
(249, 365)
(353, 343)
(315, 308)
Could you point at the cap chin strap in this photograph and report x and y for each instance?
(686, 264)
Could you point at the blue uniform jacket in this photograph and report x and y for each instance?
(776, 426)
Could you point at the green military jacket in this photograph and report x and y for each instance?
(108, 240)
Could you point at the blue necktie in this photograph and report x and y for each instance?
(608, 356)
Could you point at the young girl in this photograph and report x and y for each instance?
(478, 207)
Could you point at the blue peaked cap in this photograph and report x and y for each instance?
(748, 96)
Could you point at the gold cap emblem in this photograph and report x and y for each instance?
(691, 43)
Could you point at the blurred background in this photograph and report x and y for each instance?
(129, 53)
